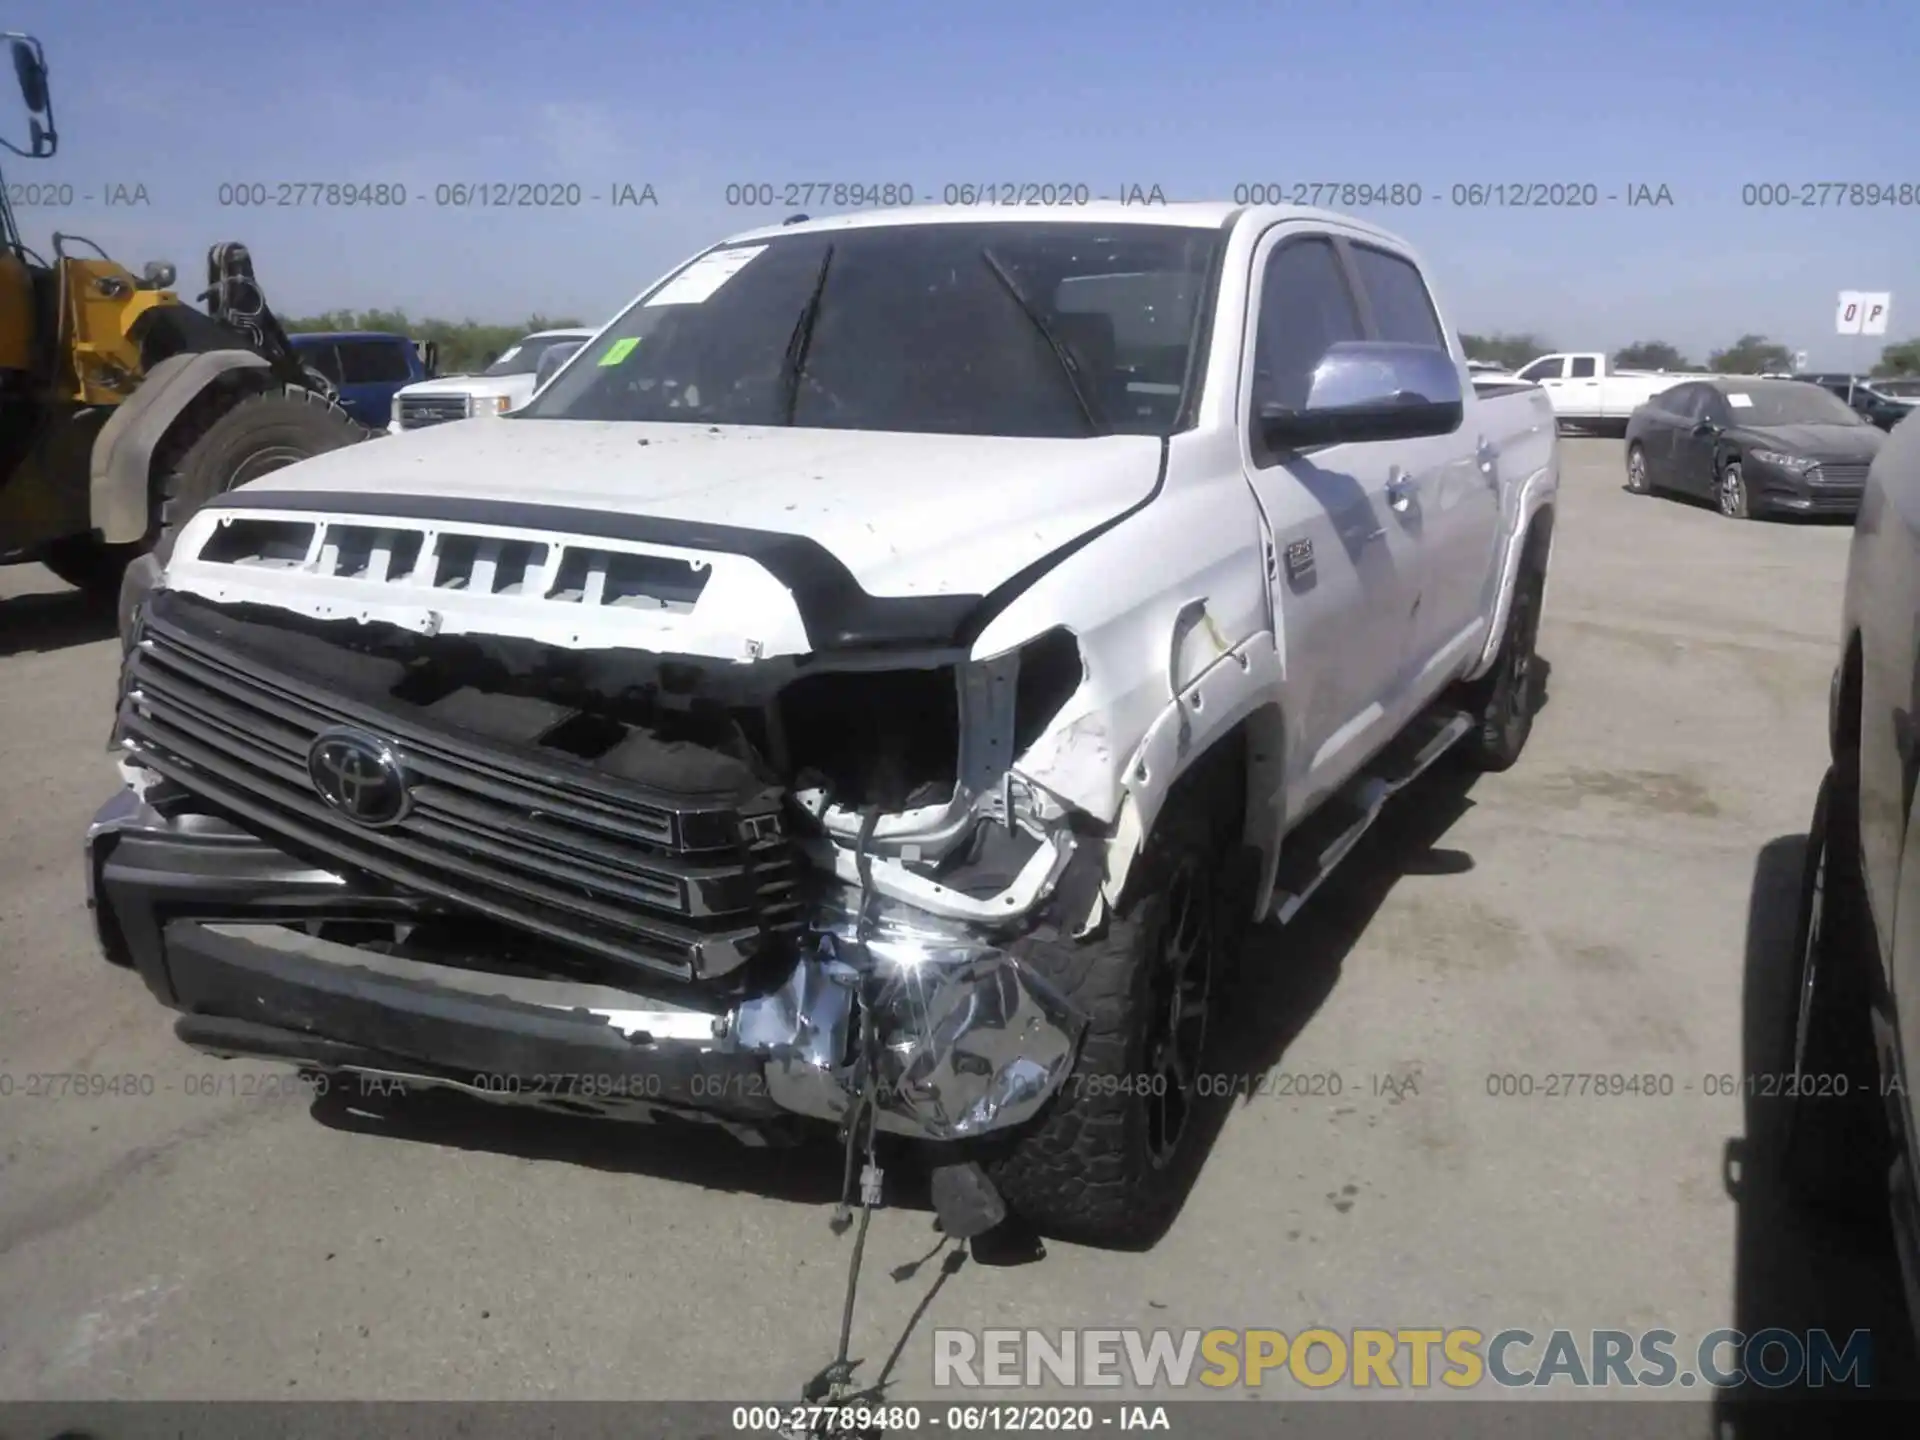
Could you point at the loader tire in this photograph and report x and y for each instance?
(226, 439)
(1111, 1160)
(90, 565)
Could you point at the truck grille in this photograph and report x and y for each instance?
(687, 887)
(418, 411)
(1841, 476)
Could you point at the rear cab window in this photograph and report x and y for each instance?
(320, 356)
(374, 362)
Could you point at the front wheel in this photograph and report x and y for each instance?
(1502, 702)
(1110, 1162)
(1821, 1115)
(1638, 482)
(1730, 492)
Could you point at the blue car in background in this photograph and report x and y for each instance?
(367, 367)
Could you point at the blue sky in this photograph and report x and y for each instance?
(1700, 96)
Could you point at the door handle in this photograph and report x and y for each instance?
(1400, 493)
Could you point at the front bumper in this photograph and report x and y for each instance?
(970, 1038)
(1785, 490)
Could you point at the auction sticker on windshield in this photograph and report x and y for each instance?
(695, 284)
(1740, 402)
(620, 350)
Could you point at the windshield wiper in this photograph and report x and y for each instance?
(1069, 366)
(797, 343)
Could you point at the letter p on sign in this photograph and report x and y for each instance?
(1863, 312)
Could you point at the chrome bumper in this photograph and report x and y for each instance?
(967, 1038)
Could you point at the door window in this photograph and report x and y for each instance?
(1305, 310)
(1402, 309)
(1685, 402)
(1582, 368)
(1549, 369)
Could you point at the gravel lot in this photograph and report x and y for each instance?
(1603, 907)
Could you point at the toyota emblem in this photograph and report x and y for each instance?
(361, 776)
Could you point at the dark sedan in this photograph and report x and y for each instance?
(1844, 1127)
(1753, 447)
(1876, 403)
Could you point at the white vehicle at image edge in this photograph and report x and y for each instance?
(874, 682)
(506, 384)
(1587, 391)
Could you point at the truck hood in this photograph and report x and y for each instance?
(902, 530)
(512, 386)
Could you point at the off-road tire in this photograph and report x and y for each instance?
(1086, 1170)
(1503, 701)
(226, 438)
(1639, 479)
(90, 565)
(1825, 1131)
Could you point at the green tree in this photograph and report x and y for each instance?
(1901, 359)
(1750, 355)
(465, 345)
(1651, 355)
(1512, 351)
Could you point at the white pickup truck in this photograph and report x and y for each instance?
(1587, 392)
(872, 683)
(504, 385)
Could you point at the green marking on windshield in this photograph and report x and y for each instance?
(619, 350)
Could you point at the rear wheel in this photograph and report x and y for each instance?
(224, 441)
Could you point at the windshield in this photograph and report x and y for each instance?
(1053, 329)
(1790, 404)
(524, 358)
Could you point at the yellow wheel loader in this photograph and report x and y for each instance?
(123, 409)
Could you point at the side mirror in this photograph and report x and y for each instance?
(552, 358)
(30, 69)
(429, 353)
(1704, 428)
(158, 275)
(1370, 390)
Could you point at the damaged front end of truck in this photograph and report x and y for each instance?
(395, 806)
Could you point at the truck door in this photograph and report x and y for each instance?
(1696, 444)
(1549, 373)
(1455, 479)
(1583, 391)
(1344, 564)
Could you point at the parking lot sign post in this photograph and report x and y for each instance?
(1863, 313)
